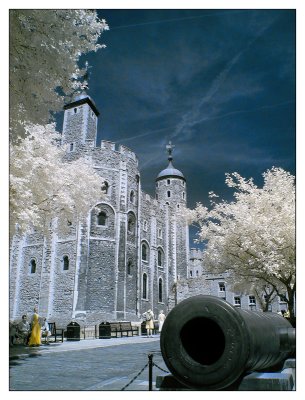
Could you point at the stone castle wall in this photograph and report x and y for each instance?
(104, 279)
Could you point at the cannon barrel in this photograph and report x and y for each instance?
(207, 344)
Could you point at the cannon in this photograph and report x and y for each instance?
(208, 344)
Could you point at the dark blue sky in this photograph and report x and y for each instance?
(220, 84)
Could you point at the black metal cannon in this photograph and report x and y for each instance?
(208, 344)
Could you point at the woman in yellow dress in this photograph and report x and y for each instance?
(35, 338)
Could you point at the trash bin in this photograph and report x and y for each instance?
(73, 331)
(143, 328)
(104, 330)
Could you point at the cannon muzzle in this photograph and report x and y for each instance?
(208, 344)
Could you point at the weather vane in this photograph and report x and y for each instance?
(170, 147)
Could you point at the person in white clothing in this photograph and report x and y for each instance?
(149, 318)
(45, 330)
(161, 319)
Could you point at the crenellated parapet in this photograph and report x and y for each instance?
(121, 149)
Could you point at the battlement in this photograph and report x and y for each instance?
(106, 144)
(125, 150)
(196, 254)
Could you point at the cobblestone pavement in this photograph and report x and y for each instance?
(96, 364)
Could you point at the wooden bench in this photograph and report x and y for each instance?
(123, 328)
(126, 328)
(55, 332)
(115, 328)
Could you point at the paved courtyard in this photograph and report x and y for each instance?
(92, 364)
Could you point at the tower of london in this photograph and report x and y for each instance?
(125, 258)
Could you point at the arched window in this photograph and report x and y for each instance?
(131, 197)
(105, 187)
(168, 193)
(131, 223)
(144, 286)
(102, 218)
(160, 287)
(144, 252)
(168, 181)
(65, 263)
(71, 148)
(75, 110)
(145, 225)
(33, 266)
(159, 258)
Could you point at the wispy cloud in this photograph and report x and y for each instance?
(141, 135)
(194, 115)
(163, 21)
(245, 111)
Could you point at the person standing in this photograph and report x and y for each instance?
(35, 338)
(161, 319)
(149, 318)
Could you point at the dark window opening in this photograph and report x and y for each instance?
(144, 252)
(129, 265)
(160, 291)
(33, 266)
(66, 263)
(144, 294)
(102, 218)
(159, 258)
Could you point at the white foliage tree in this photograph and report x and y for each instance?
(45, 46)
(253, 237)
(43, 187)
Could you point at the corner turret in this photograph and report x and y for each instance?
(171, 183)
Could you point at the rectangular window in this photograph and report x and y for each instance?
(221, 287)
(252, 300)
(237, 301)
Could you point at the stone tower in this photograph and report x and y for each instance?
(171, 192)
(80, 122)
(171, 184)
